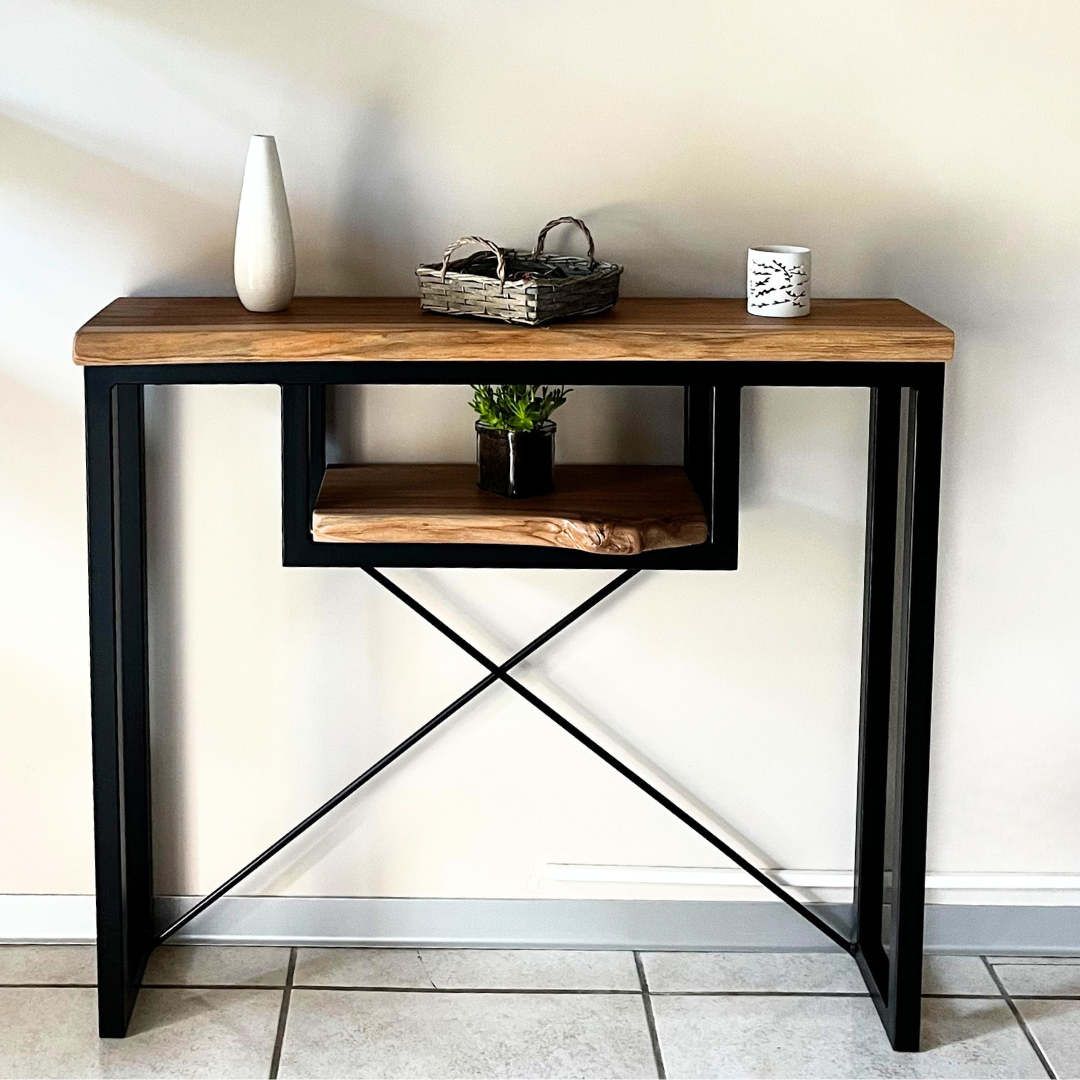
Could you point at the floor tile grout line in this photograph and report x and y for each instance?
(650, 1019)
(213, 986)
(965, 997)
(524, 990)
(377, 989)
(1045, 997)
(761, 993)
(283, 1016)
(1028, 1033)
(610, 993)
(529, 990)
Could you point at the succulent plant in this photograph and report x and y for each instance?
(509, 407)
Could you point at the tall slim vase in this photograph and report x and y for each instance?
(264, 261)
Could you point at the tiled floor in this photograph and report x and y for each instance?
(266, 1012)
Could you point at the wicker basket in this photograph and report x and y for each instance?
(519, 286)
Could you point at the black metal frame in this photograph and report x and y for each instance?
(898, 624)
(710, 457)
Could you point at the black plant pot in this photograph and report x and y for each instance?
(516, 463)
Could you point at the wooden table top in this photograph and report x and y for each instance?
(218, 329)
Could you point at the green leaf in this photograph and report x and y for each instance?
(515, 407)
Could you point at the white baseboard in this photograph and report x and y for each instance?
(826, 886)
(538, 924)
(60, 918)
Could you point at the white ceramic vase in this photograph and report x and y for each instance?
(778, 281)
(264, 261)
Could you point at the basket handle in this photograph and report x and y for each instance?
(539, 249)
(500, 258)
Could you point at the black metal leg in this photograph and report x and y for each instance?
(303, 461)
(898, 653)
(917, 578)
(699, 423)
(901, 555)
(880, 568)
(119, 694)
(724, 512)
(711, 436)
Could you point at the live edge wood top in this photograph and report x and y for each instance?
(218, 329)
(607, 509)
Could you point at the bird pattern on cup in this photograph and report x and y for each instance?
(773, 284)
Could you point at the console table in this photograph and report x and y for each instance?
(371, 515)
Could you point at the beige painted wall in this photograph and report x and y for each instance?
(923, 150)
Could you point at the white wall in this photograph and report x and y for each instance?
(923, 150)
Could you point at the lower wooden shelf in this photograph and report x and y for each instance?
(606, 509)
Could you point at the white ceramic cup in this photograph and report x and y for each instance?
(778, 281)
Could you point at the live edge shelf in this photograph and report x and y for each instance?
(607, 509)
(373, 515)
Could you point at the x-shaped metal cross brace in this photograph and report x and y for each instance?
(501, 673)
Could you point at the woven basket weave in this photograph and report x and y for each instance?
(519, 286)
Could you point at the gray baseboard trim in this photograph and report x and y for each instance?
(1000, 930)
(596, 924)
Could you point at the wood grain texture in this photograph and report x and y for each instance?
(192, 329)
(608, 509)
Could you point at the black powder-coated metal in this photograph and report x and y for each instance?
(900, 580)
(568, 372)
(497, 671)
(500, 673)
(903, 492)
(880, 567)
(711, 459)
(119, 695)
(711, 437)
(916, 601)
